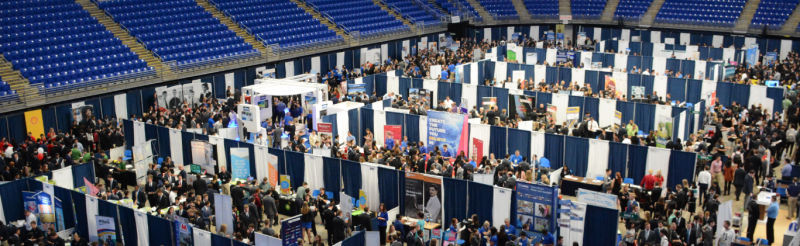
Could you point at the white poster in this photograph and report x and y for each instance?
(224, 215)
(340, 60)
(142, 234)
(431, 85)
(509, 31)
(191, 94)
(138, 133)
(786, 47)
(289, 66)
(384, 53)
(598, 199)
(579, 76)
(91, 214)
(473, 74)
(313, 171)
(660, 86)
(606, 111)
(63, 178)
(539, 74)
(626, 35)
(380, 121)
(598, 153)
(121, 106)
(716, 41)
(176, 146)
(229, 78)
(620, 62)
(500, 70)
(534, 32)
(700, 69)
(315, 65)
(406, 48)
(725, 213)
(655, 37)
(685, 39)
(487, 34)
(573, 232)
(480, 132)
(658, 160)
(501, 213)
(537, 143)
(393, 85)
(436, 72)
(530, 58)
(597, 34)
(551, 56)
(374, 56)
(201, 237)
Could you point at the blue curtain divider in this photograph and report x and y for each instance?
(577, 101)
(357, 239)
(455, 196)
(604, 225)
(156, 224)
(219, 240)
(497, 143)
(443, 91)
(108, 209)
(693, 89)
(351, 175)
(502, 97)
(389, 191)
(128, 229)
(367, 122)
(644, 116)
(79, 202)
(677, 89)
(332, 176)
(519, 140)
(412, 131)
(618, 157)
(352, 116)
(481, 200)
(396, 119)
(554, 150)
(681, 166)
(739, 94)
(576, 156)
(295, 168)
(637, 159)
(65, 196)
(79, 172)
(12, 199)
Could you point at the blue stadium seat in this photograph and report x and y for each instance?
(723, 13)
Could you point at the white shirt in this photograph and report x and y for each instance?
(626, 141)
(448, 103)
(593, 126)
(172, 196)
(704, 177)
(726, 238)
(432, 208)
(664, 241)
(28, 220)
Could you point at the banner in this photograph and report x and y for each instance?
(535, 207)
(477, 148)
(597, 199)
(82, 113)
(291, 230)
(664, 131)
(487, 102)
(752, 56)
(240, 163)
(34, 122)
(325, 129)
(396, 131)
(362, 199)
(47, 216)
(286, 184)
(573, 114)
(272, 173)
(450, 129)
(424, 194)
(59, 215)
(30, 203)
(183, 233)
(573, 231)
(105, 230)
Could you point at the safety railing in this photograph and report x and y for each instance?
(102, 82)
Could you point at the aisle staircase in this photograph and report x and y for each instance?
(478, 7)
(323, 20)
(746, 17)
(649, 17)
(26, 91)
(564, 7)
(396, 15)
(127, 39)
(608, 12)
(250, 39)
(522, 11)
(791, 23)
(436, 5)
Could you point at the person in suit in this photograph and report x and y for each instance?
(162, 200)
(111, 184)
(689, 235)
(205, 213)
(738, 180)
(647, 235)
(139, 196)
(199, 185)
(175, 101)
(270, 208)
(14, 239)
(237, 197)
(150, 188)
(248, 217)
(338, 227)
(749, 180)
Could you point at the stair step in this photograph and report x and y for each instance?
(790, 25)
(231, 25)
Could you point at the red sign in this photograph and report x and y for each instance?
(325, 128)
(477, 149)
(397, 133)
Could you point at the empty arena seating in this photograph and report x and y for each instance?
(631, 9)
(178, 30)
(773, 13)
(591, 9)
(57, 42)
(504, 9)
(542, 8)
(701, 12)
(451, 7)
(418, 13)
(278, 21)
(6, 94)
(359, 15)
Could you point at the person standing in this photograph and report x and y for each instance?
(338, 226)
(383, 218)
(664, 240)
(738, 180)
(752, 216)
(772, 214)
(793, 192)
(703, 180)
(728, 236)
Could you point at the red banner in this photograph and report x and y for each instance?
(477, 149)
(325, 128)
(397, 133)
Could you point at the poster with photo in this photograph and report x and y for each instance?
(82, 113)
(191, 94)
(162, 98)
(535, 204)
(424, 194)
(174, 97)
(204, 91)
(183, 233)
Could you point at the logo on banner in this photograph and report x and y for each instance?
(477, 148)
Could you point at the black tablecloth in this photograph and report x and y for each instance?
(125, 178)
(287, 207)
(570, 187)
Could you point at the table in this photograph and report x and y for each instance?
(788, 236)
(124, 177)
(428, 226)
(286, 206)
(570, 185)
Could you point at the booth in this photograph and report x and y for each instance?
(259, 108)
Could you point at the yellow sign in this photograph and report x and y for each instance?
(559, 28)
(34, 122)
(286, 185)
(362, 199)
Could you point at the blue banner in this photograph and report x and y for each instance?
(291, 230)
(447, 129)
(551, 36)
(30, 203)
(46, 214)
(59, 215)
(183, 233)
(240, 163)
(536, 205)
(752, 56)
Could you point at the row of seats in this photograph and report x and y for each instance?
(177, 30)
(61, 84)
(363, 13)
(270, 20)
(4, 86)
(632, 8)
(543, 8)
(704, 12)
(773, 13)
(408, 8)
(588, 8)
(54, 41)
(6, 93)
(504, 9)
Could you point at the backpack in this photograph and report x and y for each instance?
(791, 135)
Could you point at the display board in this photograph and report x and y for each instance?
(291, 230)
(240, 163)
(536, 204)
(424, 194)
(183, 233)
(447, 129)
(522, 105)
(106, 232)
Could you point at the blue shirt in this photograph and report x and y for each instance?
(385, 216)
(280, 107)
(511, 230)
(515, 159)
(390, 143)
(444, 74)
(399, 227)
(351, 138)
(452, 68)
(403, 144)
(287, 118)
(472, 163)
(772, 211)
(210, 122)
(548, 239)
(446, 153)
(423, 150)
(786, 171)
